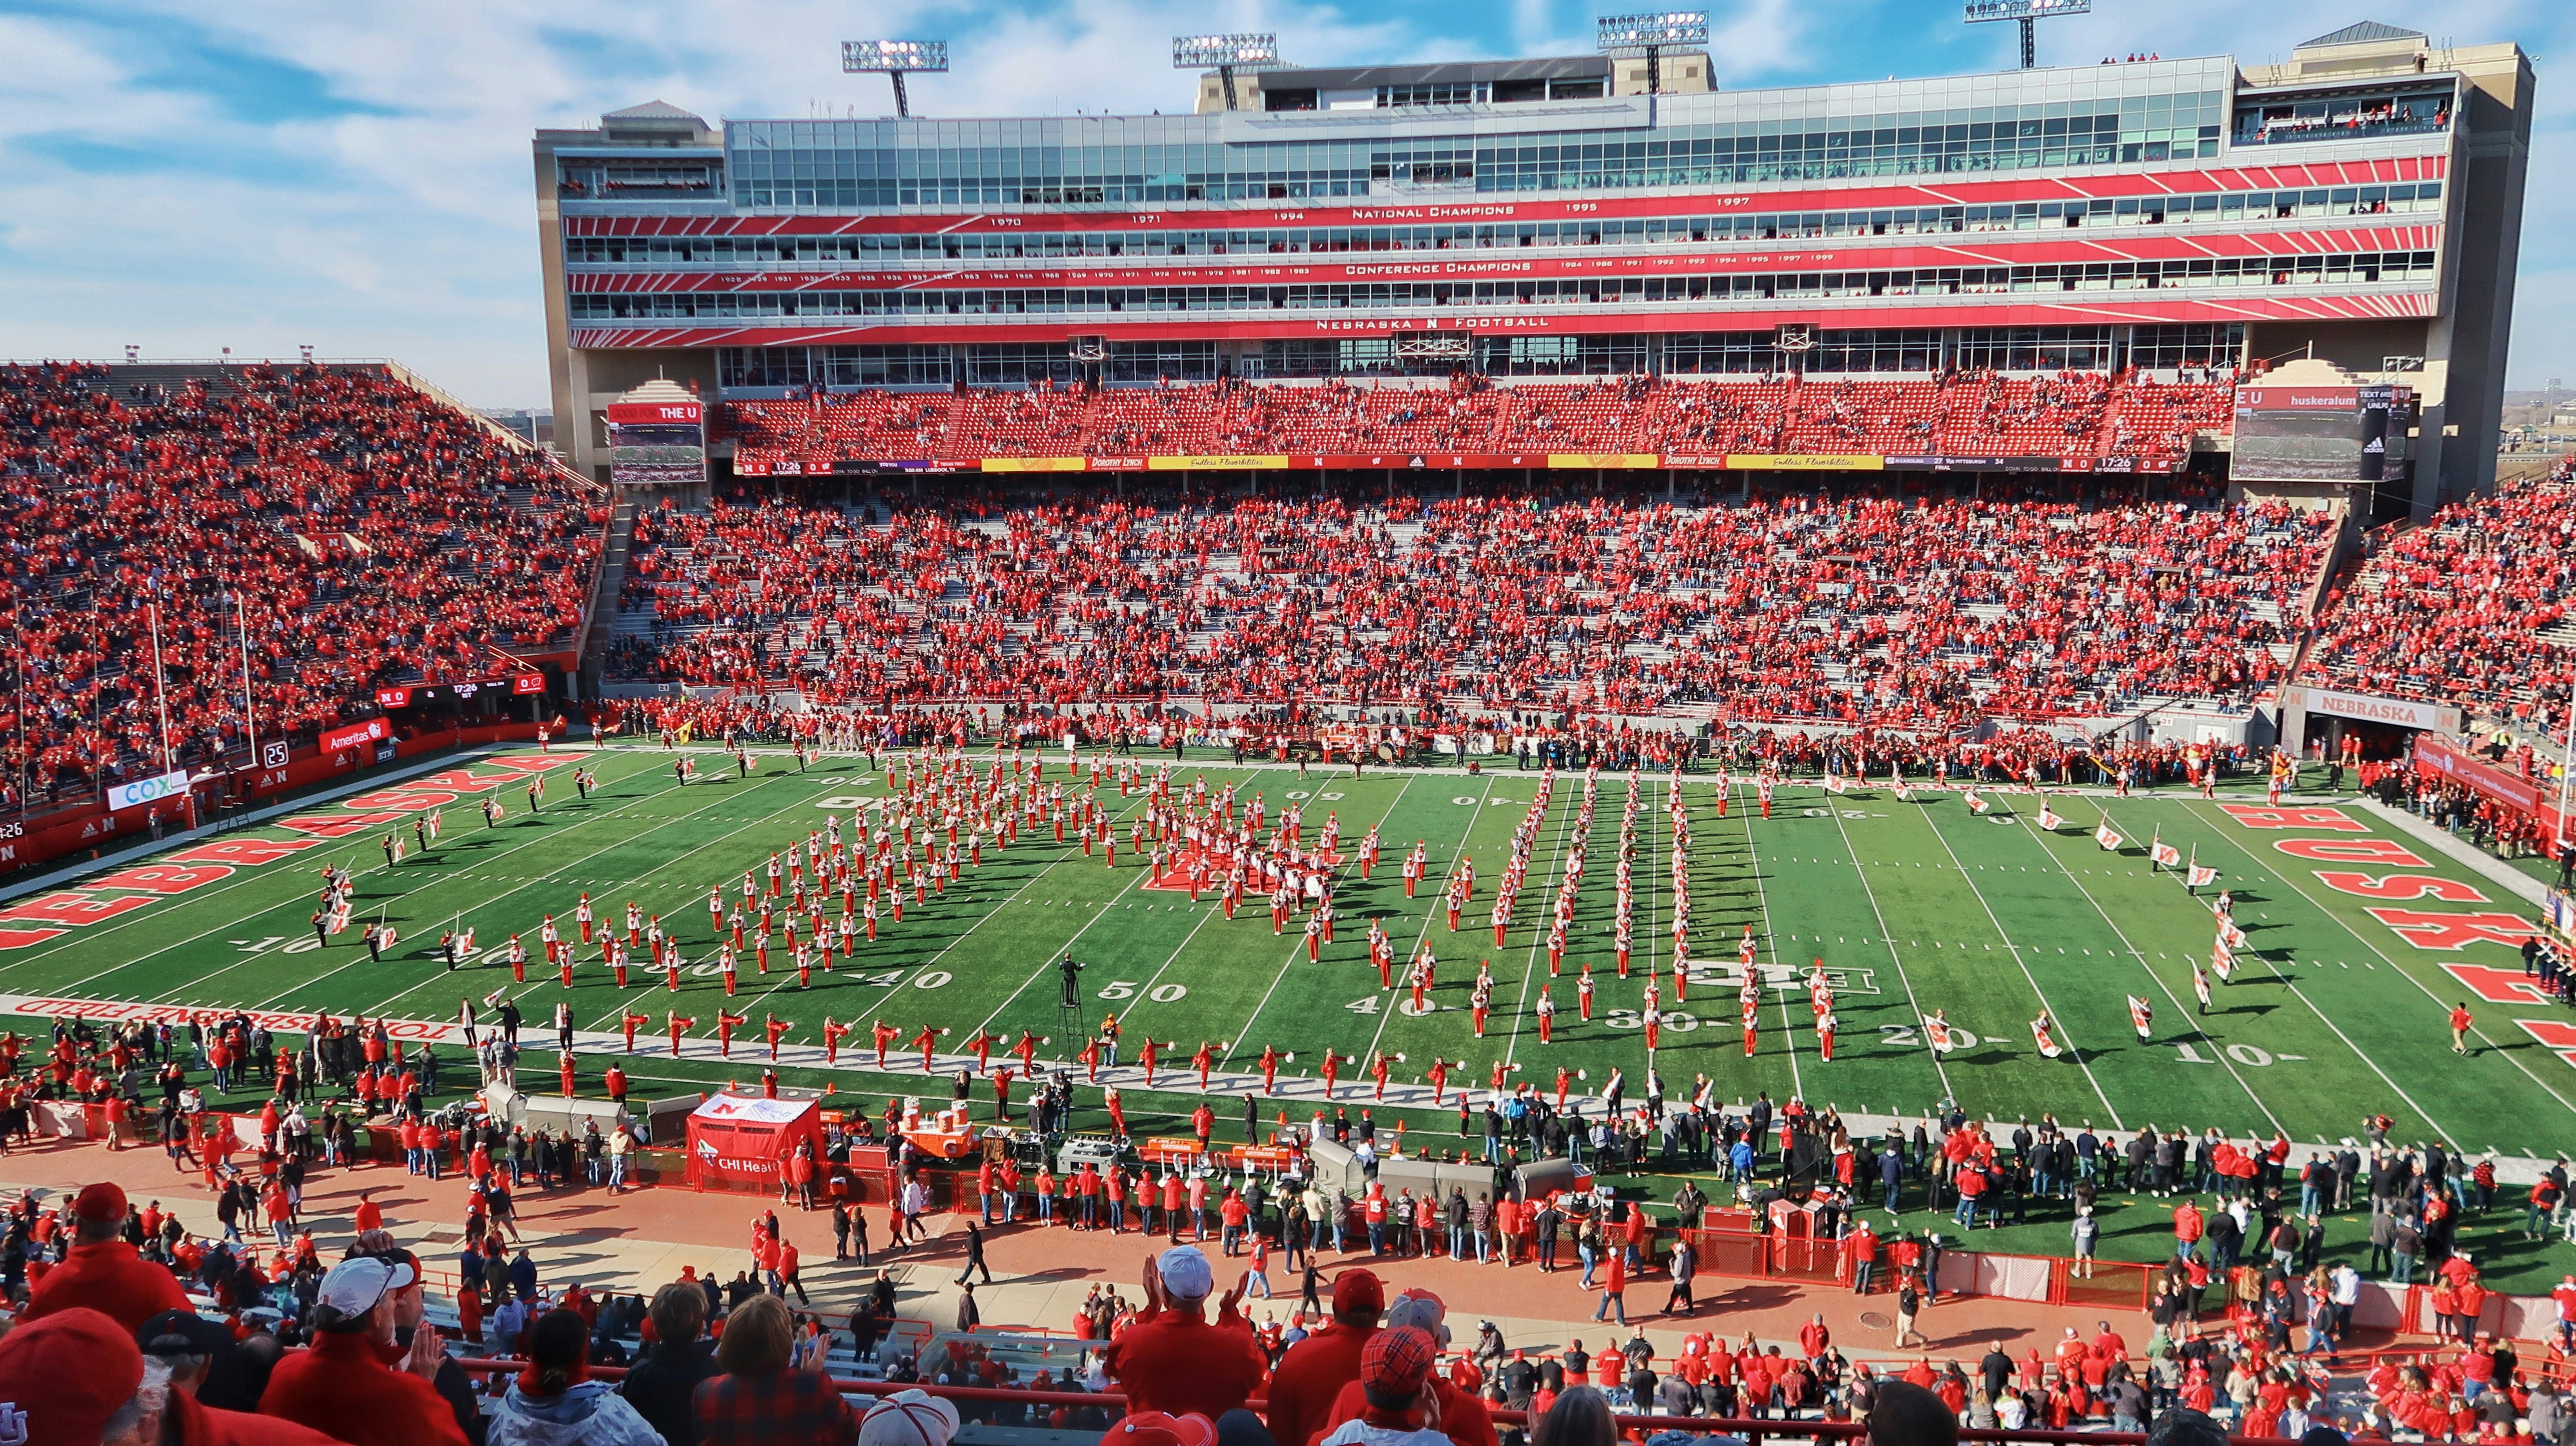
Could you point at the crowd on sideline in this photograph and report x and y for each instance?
(336, 526)
(108, 1350)
(2249, 1311)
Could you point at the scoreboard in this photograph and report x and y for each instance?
(657, 444)
(2323, 434)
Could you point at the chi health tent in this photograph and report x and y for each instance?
(738, 1142)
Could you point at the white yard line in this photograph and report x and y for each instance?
(1404, 960)
(1539, 933)
(1939, 1070)
(2019, 963)
(2217, 1052)
(1762, 897)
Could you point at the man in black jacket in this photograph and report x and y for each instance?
(1995, 1372)
(661, 1387)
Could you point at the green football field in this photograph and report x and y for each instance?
(1913, 905)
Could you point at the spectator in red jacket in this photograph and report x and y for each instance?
(2187, 1230)
(1315, 1369)
(101, 1271)
(1173, 1358)
(346, 1386)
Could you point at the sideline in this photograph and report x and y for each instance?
(2487, 866)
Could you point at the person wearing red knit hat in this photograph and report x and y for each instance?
(1401, 1407)
(102, 1272)
(1461, 1416)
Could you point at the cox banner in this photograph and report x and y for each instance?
(141, 791)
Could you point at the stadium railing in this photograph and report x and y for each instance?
(1749, 1430)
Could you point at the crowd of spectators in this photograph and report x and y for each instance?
(2082, 415)
(341, 527)
(1851, 609)
(2460, 609)
(2251, 1310)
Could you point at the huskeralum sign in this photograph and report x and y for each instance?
(138, 792)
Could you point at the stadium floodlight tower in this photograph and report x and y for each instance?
(2029, 13)
(895, 58)
(1648, 35)
(1228, 53)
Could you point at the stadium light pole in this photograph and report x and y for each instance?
(2028, 13)
(894, 58)
(24, 777)
(1253, 50)
(2566, 775)
(250, 709)
(160, 683)
(1648, 34)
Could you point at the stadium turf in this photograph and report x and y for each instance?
(1915, 905)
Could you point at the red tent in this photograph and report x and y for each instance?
(740, 1142)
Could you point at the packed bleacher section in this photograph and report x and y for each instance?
(372, 533)
(1867, 609)
(2085, 416)
(2471, 608)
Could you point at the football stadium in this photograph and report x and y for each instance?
(1927, 707)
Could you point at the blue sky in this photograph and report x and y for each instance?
(265, 174)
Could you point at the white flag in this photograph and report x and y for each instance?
(2165, 854)
(1975, 804)
(2202, 876)
(2041, 1035)
(2048, 818)
(2105, 837)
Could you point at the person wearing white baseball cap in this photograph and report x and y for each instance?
(1173, 1358)
(343, 1387)
(908, 1418)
